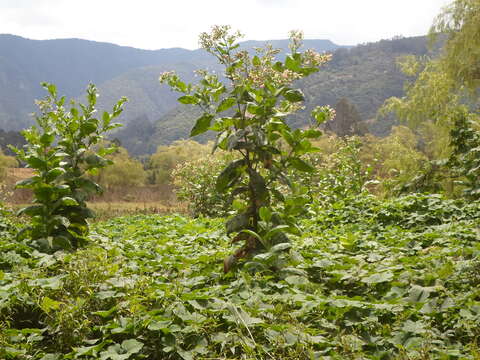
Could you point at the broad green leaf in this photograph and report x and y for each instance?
(28, 182)
(295, 95)
(301, 165)
(31, 210)
(312, 133)
(280, 247)
(226, 104)
(132, 346)
(47, 139)
(185, 355)
(229, 175)
(292, 64)
(35, 162)
(106, 313)
(88, 128)
(201, 125)
(48, 304)
(419, 294)
(54, 173)
(68, 201)
(265, 213)
(188, 99)
(378, 278)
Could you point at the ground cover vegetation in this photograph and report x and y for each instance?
(366, 279)
(378, 248)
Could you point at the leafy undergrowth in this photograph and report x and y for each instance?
(366, 280)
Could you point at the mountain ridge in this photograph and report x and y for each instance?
(73, 63)
(365, 74)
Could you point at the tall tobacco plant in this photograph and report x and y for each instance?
(61, 148)
(247, 109)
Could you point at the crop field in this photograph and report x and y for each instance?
(297, 234)
(367, 279)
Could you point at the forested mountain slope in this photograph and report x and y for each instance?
(366, 75)
(117, 70)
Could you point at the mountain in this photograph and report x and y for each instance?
(117, 71)
(366, 75)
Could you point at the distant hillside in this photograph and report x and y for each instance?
(73, 63)
(366, 75)
(69, 63)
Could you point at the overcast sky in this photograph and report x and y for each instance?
(155, 24)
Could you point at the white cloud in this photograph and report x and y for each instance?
(156, 24)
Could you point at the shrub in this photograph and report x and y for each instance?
(395, 159)
(124, 171)
(339, 173)
(195, 183)
(167, 157)
(6, 162)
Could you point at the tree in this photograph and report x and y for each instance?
(258, 98)
(439, 87)
(347, 120)
(166, 158)
(123, 172)
(460, 22)
(444, 96)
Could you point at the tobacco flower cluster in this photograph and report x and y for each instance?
(219, 33)
(312, 58)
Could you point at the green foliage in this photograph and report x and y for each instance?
(195, 182)
(6, 162)
(394, 160)
(465, 160)
(166, 158)
(61, 150)
(339, 171)
(124, 171)
(347, 120)
(429, 98)
(365, 74)
(460, 21)
(367, 279)
(437, 101)
(259, 96)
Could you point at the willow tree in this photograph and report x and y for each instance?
(443, 96)
(460, 22)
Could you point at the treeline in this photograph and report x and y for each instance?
(384, 166)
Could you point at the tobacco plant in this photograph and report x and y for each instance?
(62, 148)
(248, 110)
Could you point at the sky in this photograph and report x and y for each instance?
(155, 24)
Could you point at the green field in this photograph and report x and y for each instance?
(367, 279)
